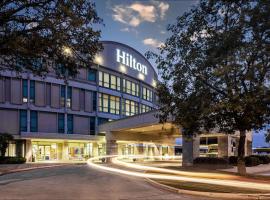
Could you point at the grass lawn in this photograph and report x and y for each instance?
(203, 187)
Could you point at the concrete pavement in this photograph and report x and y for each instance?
(80, 182)
(260, 169)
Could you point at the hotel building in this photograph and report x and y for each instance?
(56, 120)
(108, 108)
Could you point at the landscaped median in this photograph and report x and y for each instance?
(213, 190)
(192, 180)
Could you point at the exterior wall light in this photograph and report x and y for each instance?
(122, 69)
(154, 83)
(141, 76)
(98, 60)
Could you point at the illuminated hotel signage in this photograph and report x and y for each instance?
(128, 60)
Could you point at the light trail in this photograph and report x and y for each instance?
(116, 161)
(230, 183)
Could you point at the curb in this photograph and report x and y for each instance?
(209, 194)
(30, 168)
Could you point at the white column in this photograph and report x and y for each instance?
(28, 151)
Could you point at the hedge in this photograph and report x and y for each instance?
(210, 160)
(233, 160)
(12, 160)
(252, 160)
(264, 159)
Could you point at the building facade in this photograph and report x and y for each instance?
(53, 119)
(108, 108)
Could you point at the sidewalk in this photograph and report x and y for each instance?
(11, 168)
(260, 169)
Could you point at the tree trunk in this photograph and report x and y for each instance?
(241, 167)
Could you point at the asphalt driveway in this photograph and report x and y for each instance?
(79, 182)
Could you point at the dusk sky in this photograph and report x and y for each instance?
(142, 25)
(139, 24)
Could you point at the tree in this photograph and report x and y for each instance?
(267, 136)
(220, 47)
(32, 32)
(5, 138)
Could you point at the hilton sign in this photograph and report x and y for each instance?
(130, 61)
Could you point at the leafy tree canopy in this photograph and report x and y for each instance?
(58, 30)
(215, 67)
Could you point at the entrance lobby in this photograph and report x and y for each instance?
(60, 150)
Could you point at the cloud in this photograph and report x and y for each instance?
(163, 9)
(136, 13)
(126, 29)
(129, 29)
(163, 32)
(146, 12)
(152, 42)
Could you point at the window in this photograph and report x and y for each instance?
(69, 96)
(92, 125)
(33, 121)
(109, 104)
(106, 80)
(105, 103)
(130, 108)
(11, 149)
(63, 95)
(94, 101)
(69, 124)
(100, 79)
(144, 93)
(118, 81)
(25, 90)
(23, 120)
(92, 75)
(113, 82)
(130, 87)
(212, 140)
(114, 105)
(147, 94)
(32, 91)
(133, 89)
(61, 123)
(109, 81)
(145, 108)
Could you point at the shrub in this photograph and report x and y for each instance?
(210, 160)
(264, 159)
(251, 161)
(233, 160)
(12, 160)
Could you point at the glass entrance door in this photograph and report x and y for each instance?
(128, 149)
(44, 152)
